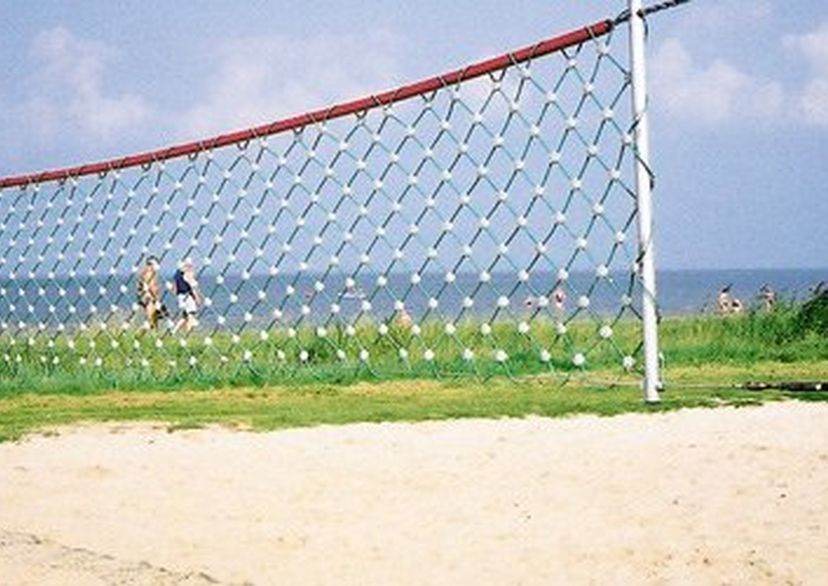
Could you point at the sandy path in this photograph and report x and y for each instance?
(695, 497)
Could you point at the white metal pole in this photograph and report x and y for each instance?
(652, 377)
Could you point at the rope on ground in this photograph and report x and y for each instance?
(796, 386)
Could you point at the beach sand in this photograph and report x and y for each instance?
(724, 496)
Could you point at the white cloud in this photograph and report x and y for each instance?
(719, 92)
(66, 90)
(812, 100)
(261, 79)
(814, 46)
(714, 93)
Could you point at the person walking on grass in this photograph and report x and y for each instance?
(149, 292)
(187, 291)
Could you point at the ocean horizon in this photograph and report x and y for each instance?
(680, 292)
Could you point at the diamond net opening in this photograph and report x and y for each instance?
(478, 222)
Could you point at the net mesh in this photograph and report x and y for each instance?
(480, 227)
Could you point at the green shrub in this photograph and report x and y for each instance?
(813, 315)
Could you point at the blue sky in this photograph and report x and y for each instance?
(739, 93)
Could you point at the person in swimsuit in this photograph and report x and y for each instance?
(559, 299)
(724, 301)
(768, 296)
(403, 319)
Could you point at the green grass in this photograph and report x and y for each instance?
(40, 365)
(204, 360)
(705, 356)
(275, 407)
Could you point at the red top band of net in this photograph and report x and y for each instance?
(405, 92)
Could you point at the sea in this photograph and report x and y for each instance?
(260, 299)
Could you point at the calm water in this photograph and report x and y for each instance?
(680, 292)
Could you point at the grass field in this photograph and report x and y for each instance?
(705, 357)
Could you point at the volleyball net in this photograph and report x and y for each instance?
(480, 221)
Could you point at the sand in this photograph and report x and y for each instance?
(726, 496)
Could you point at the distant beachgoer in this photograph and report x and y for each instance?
(403, 319)
(736, 305)
(149, 292)
(768, 296)
(187, 291)
(724, 300)
(559, 299)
